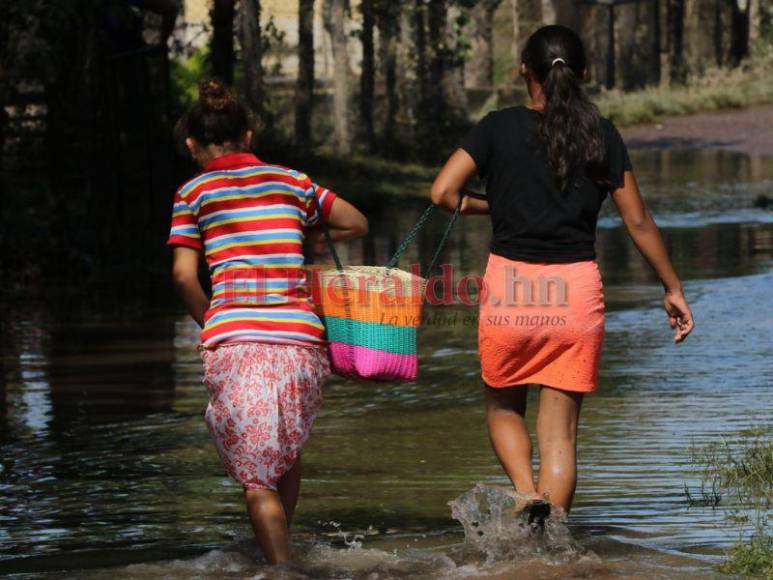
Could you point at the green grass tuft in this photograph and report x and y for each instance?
(751, 558)
(743, 467)
(742, 471)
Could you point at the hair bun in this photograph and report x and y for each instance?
(214, 95)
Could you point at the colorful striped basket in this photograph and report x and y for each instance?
(372, 314)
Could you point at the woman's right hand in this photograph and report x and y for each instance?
(679, 314)
(474, 206)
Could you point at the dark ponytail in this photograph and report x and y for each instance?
(217, 118)
(570, 125)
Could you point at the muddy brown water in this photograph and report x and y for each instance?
(106, 467)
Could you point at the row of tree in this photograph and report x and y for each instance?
(424, 64)
(414, 48)
(423, 60)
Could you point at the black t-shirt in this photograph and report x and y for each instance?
(532, 219)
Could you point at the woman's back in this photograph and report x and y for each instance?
(248, 218)
(532, 217)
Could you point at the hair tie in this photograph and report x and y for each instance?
(559, 59)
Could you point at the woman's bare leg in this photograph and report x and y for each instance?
(505, 410)
(559, 413)
(269, 522)
(289, 487)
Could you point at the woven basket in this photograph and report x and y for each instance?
(371, 315)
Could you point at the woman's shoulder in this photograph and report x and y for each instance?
(292, 176)
(608, 126)
(215, 178)
(610, 133)
(512, 112)
(508, 120)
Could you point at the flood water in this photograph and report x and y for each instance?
(106, 467)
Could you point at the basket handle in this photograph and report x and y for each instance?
(412, 233)
(331, 246)
(419, 225)
(326, 231)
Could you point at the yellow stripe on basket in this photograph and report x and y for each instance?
(369, 306)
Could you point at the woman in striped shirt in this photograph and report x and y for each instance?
(262, 344)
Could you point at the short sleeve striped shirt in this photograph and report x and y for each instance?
(248, 218)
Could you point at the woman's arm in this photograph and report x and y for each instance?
(457, 171)
(474, 205)
(185, 274)
(646, 236)
(345, 222)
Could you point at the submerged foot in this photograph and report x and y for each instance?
(535, 512)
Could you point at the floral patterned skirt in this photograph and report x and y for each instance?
(263, 399)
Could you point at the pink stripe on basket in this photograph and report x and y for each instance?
(369, 363)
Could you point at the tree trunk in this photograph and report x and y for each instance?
(480, 67)
(436, 21)
(304, 89)
(754, 20)
(222, 43)
(719, 53)
(422, 67)
(611, 66)
(334, 15)
(387, 25)
(515, 10)
(452, 69)
(406, 74)
(367, 78)
(656, 42)
(5, 84)
(739, 37)
(548, 12)
(252, 54)
(676, 65)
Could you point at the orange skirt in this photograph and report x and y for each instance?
(541, 323)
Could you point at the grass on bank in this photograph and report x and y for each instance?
(742, 472)
(717, 89)
(752, 558)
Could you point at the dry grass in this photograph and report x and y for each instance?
(717, 89)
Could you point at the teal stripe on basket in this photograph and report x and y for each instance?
(386, 337)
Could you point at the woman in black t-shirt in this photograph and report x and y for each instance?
(548, 167)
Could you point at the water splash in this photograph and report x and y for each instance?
(352, 541)
(494, 528)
